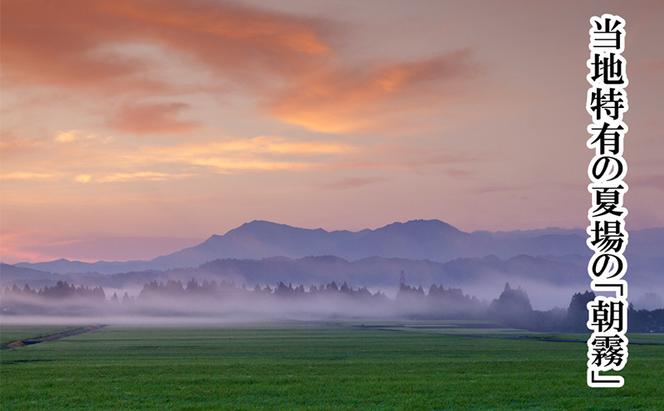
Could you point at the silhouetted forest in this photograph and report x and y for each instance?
(512, 308)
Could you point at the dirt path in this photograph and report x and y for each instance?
(52, 337)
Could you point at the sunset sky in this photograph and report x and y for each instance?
(132, 128)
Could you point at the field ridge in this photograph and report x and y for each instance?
(52, 337)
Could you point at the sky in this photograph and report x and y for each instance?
(133, 128)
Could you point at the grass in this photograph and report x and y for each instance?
(320, 367)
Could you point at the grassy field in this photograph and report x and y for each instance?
(320, 367)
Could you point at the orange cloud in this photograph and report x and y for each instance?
(75, 156)
(70, 136)
(341, 101)
(153, 118)
(263, 153)
(11, 145)
(53, 43)
(26, 176)
(60, 43)
(275, 145)
(227, 165)
(140, 176)
(83, 178)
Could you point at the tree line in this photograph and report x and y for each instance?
(511, 308)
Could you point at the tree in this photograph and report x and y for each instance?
(512, 308)
(577, 312)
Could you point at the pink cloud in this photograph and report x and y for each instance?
(352, 182)
(153, 118)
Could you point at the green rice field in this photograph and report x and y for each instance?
(319, 366)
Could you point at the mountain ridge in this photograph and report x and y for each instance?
(421, 239)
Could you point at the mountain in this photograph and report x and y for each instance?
(432, 240)
(10, 274)
(419, 239)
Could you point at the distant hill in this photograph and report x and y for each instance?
(432, 240)
(10, 274)
(385, 272)
(371, 272)
(549, 280)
